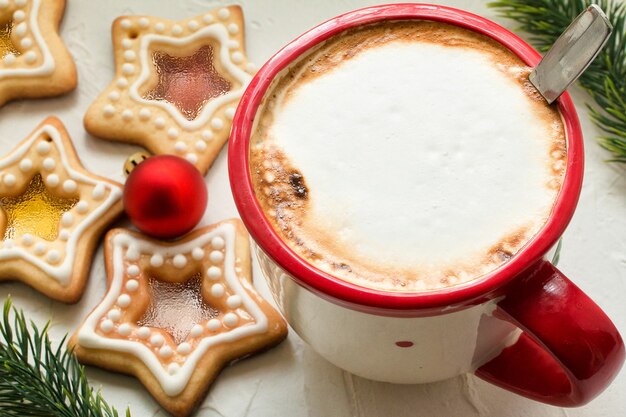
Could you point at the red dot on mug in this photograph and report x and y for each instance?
(404, 343)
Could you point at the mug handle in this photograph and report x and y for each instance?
(569, 350)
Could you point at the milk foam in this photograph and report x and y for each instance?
(417, 157)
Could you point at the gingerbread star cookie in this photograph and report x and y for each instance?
(34, 61)
(52, 212)
(176, 313)
(177, 84)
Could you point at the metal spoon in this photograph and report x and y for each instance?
(572, 53)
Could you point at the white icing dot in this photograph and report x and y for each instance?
(159, 27)
(69, 186)
(127, 43)
(233, 44)
(49, 164)
(43, 147)
(208, 18)
(156, 260)
(122, 82)
(217, 123)
(106, 326)
(26, 43)
(144, 22)
(197, 254)
(192, 157)
(19, 15)
(132, 253)
(132, 285)
(159, 122)
(173, 368)
(67, 219)
(127, 114)
(223, 13)
(133, 270)
(157, 340)
(233, 28)
(184, 348)
(216, 256)
(8, 243)
(237, 57)
(180, 146)
(207, 135)
(64, 235)
(9, 180)
(40, 248)
(126, 23)
(217, 290)
(114, 315)
(28, 239)
(130, 55)
(234, 301)
(214, 273)
(26, 165)
(4, 4)
(143, 332)
(196, 331)
(124, 329)
(128, 69)
(230, 113)
(82, 207)
(124, 300)
(20, 30)
(200, 145)
(218, 242)
(250, 67)
(177, 29)
(230, 319)
(179, 261)
(166, 352)
(213, 325)
(193, 25)
(114, 95)
(172, 133)
(52, 180)
(9, 59)
(108, 110)
(98, 192)
(30, 57)
(144, 114)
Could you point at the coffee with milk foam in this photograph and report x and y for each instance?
(407, 156)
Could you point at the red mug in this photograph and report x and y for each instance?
(524, 327)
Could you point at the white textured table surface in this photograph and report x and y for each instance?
(292, 380)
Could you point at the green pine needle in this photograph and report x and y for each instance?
(605, 79)
(37, 380)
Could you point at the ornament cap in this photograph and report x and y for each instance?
(134, 160)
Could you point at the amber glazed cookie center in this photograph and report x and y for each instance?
(6, 44)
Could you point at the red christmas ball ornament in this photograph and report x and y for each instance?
(165, 196)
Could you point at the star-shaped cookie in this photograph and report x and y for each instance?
(52, 212)
(34, 61)
(176, 313)
(177, 84)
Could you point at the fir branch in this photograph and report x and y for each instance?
(37, 380)
(605, 79)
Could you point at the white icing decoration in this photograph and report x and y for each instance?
(184, 348)
(207, 135)
(166, 352)
(218, 243)
(208, 18)
(4, 4)
(8, 243)
(114, 95)
(193, 25)
(157, 340)
(156, 260)
(180, 146)
(52, 180)
(127, 114)
(69, 186)
(124, 329)
(114, 315)
(230, 113)
(237, 57)
(200, 145)
(159, 27)
(213, 325)
(130, 55)
(9, 180)
(191, 157)
(177, 30)
(108, 110)
(40, 248)
(216, 256)
(133, 253)
(127, 43)
(223, 13)
(26, 43)
(233, 28)
(172, 133)
(250, 67)
(197, 253)
(234, 301)
(133, 270)
(30, 57)
(126, 24)
(233, 44)
(196, 331)
(9, 59)
(214, 273)
(230, 319)
(82, 207)
(43, 147)
(64, 235)
(173, 368)
(98, 191)
(47, 63)
(67, 219)
(217, 123)
(217, 32)
(159, 122)
(217, 290)
(144, 114)
(179, 261)
(124, 300)
(172, 384)
(49, 164)
(128, 69)
(143, 333)
(122, 82)
(132, 285)
(107, 326)
(28, 239)
(144, 22)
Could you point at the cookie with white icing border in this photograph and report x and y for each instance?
(52, 213)
(177, 84)
(35, 62)
(176, 313)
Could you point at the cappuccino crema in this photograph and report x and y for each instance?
(407, 156)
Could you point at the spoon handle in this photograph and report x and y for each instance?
(572, 53)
